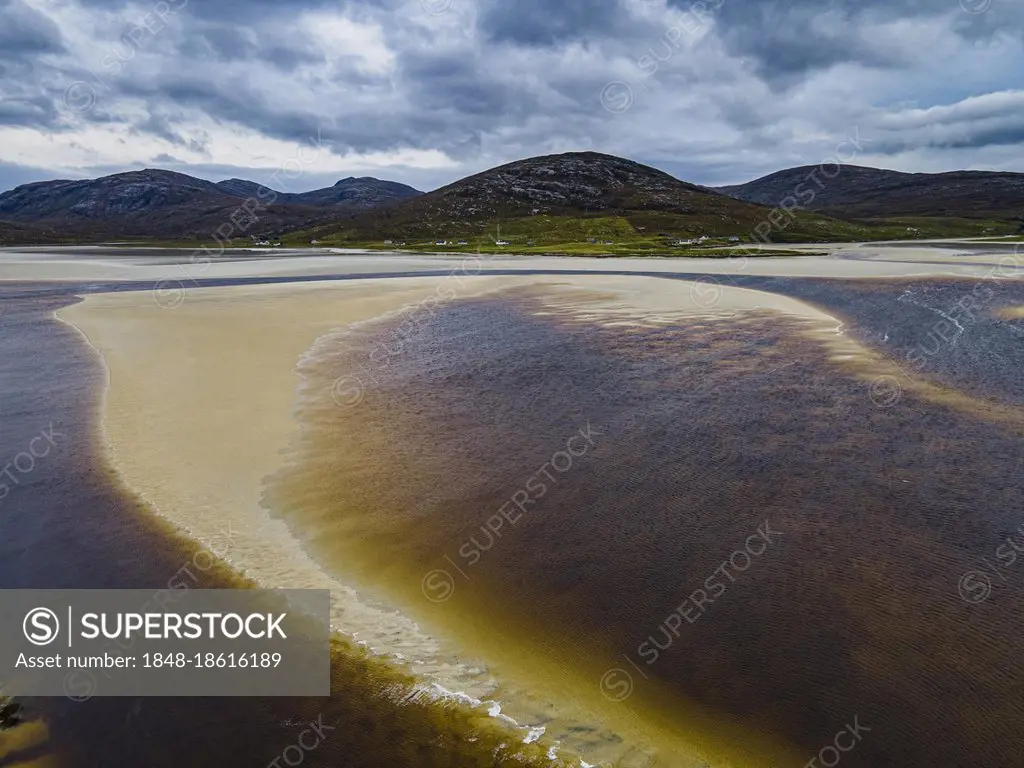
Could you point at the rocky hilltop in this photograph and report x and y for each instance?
(571, 182)
(562, 187)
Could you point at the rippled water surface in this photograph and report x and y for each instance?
(740, 548)
(846, 523)
(69, 523)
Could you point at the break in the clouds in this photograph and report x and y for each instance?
(426, 91)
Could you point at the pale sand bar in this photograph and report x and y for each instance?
(178, 268)
(199, 405)
(198, 412)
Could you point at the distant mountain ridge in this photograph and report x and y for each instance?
(570, 197)
(363, 192)
(861, 192)
(159, 203)
(119, 194)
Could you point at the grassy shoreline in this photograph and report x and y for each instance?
(624, 250)
(650, 234)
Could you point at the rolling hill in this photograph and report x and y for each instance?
(568, 201)
(163, 204)
(556, 196)
(858, 192)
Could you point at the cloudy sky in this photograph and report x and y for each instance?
(299, 93)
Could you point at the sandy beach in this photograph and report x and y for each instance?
(182, 270)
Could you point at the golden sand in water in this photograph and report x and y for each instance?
(27, 746)
(178, 418)
(712, 424)
(556, 605)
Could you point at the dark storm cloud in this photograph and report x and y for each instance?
(546, 22)
(235, 100)
(34, 111)
(25, 37)
(219, 42)
(787, 38)
(452, 82)
(25, 30)
(986, 137)
(991, 120)
(235, 11)
(800, 43)
(488, 81)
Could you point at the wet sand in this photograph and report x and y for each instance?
(205, 405)
(27, 746)
(709, 428)
(185, 383)
(177, 271)
(70, 522)
(198, 411)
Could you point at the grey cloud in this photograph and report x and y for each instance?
(234, 11)
(36, 111)
(163, 124)
(287, 59)
(493, 81)
(794, 40)
(217, 42)
(454, 83)
(27, 40)
(787, 39)
(220, 42)
(992, 120)
(14, 175)
(25, 30)
(544, 22)
(985, 137)
(227, 99)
